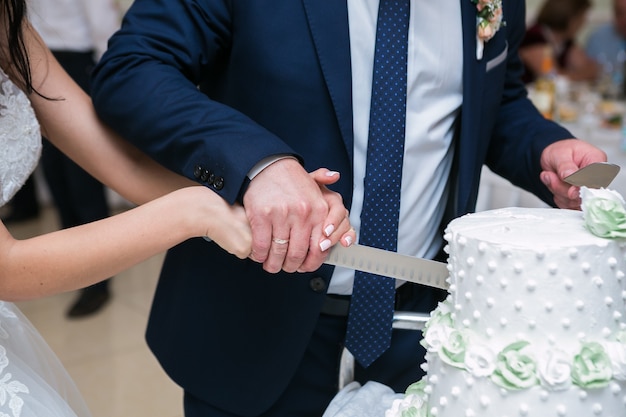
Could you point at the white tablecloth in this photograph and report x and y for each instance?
(496, 192)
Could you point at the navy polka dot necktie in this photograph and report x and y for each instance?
(372, 304)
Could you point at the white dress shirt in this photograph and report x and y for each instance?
(434, 96)
(75, 25)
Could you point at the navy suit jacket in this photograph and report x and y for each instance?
(209, 88)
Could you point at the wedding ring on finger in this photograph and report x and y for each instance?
(280, 241)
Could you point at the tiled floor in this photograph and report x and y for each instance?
(106, 354)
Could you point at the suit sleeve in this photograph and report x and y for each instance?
(147, 87)
(521, 133)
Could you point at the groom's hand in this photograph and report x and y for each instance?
(286, 210)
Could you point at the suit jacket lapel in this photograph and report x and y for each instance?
(473, 79)
(328, 22)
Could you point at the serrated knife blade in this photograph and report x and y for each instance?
(390, 264)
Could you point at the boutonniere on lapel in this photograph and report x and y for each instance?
(488, 21)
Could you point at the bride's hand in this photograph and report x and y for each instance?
(228, 226)
(337, 226)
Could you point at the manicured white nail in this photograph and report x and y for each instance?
(348, 240)
(331, 173)
(325, 244)
(329, 230)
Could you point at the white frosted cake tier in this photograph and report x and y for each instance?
(534, 322)
(521, 274)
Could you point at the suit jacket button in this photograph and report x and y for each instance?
(211, 179)
(197, 171)
(218, 184)
(205, 175)
(317, 284)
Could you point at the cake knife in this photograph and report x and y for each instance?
(390, 264)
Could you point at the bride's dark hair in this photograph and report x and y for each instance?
(13, 14)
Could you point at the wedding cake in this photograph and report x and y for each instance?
(535, 322)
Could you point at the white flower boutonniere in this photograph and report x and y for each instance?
(488, 21)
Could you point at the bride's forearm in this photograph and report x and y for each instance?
(77, 257)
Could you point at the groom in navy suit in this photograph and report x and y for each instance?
(247, 97)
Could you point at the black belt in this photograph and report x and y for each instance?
(339, 305)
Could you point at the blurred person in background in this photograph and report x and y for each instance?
(607, 45)
(556, 26)
(76, 31)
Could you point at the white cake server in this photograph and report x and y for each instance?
(596, 175)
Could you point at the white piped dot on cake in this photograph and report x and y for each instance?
(455, 392)
(480, 279)
(553, 269)
(482, 247)
(470, 413)
(615, 388)
(566, 323)
(518, 268)
(492, 266)
(612, 262)
(504, 283)
(470, 261)
(580, 305)
(619, 275)
(573, 253)
(523, 409)
(484, 401)
(518, 305)
(490, 302)
(597, 409)
(585, 267)
(549, 307)
(569, 284)
(608, 301)
(598, 281)
(561, 410)
(531, 285)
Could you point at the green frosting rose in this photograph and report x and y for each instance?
(592, 366)
(514, 369)
(604, 212)
(453, 350)
(417, 388)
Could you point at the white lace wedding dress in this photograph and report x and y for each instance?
(33, 382)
